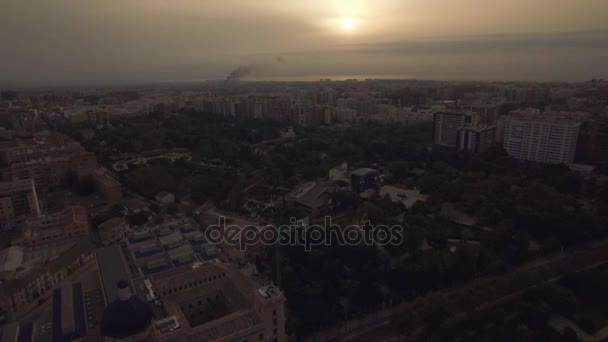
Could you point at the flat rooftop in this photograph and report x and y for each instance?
(112, 269)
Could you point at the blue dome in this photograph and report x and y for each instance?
(123, 318)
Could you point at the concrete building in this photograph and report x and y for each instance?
(446, 126)
(313, 197)
(42, 229)
(166, 246)
(19, 295)
(108, 187)
(18, 199)
(476, 139)
(113, 230)
(214, 302)
(339, 173)
(592, 146)
(199, 302)
(69, 321)
(363, 179)
(45, 158)
(11, 259)
(541, 139)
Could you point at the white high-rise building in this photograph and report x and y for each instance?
(446, 127)
(543, 140)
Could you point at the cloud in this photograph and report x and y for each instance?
(488, 43)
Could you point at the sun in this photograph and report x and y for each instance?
(348, 24)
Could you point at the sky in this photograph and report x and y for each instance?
(130, 41)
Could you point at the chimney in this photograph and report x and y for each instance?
(124, 293)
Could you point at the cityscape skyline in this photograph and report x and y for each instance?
(303, 170)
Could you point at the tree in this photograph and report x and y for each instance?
(137, 219)
(419, 208)
(414, 236)
(155, 208)
(236, 196)
(172, 209)
(399, 170)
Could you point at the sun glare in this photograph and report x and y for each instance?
(348, 24)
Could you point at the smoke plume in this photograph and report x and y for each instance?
(238, 73)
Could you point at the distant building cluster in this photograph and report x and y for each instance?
(160, 279)
(46, 157)
(528, 134)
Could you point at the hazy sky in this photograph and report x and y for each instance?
(82, 41)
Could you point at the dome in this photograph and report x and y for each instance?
(126, 316)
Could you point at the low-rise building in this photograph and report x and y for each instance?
(108, 187)
(200, 302)
(313, 197)
(339, 172)
(19, 295)
(214, 302)
(113, 229)
(66, 224)
(18, 199)
(363, 179)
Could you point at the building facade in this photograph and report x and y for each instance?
(476, 139)
(541, 140)
(445, 128)
(108, 187)
(18, 199)
(18, 296)
(66, 224)
(217, 303)
(592, 146)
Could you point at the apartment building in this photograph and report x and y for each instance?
(446, 126)
(42, 229)
(18, 296)
(108, 187)
(476, 139)
(18, 199)
(541, 139)
(45, 158)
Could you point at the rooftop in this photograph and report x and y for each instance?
(364, 171)
(112, 269)
(310, 193)
(111, 224)
(11, 258)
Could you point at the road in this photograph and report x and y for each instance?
(360, 330)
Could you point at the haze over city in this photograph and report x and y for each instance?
(303, 170)
(68, 42)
